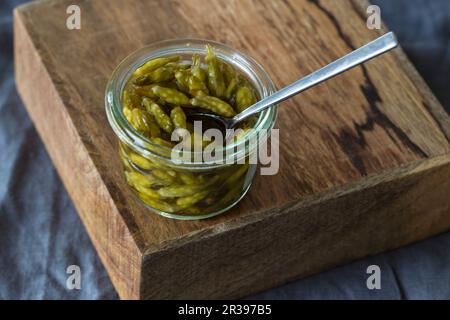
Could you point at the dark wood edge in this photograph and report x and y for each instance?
(430, 102)
(123, 269)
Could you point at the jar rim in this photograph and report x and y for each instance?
(187, 46)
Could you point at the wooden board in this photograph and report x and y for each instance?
(364, 158)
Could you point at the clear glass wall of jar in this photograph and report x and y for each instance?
(188, 190)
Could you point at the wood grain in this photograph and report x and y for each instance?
(364, 158)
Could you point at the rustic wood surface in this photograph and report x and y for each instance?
(364, 158)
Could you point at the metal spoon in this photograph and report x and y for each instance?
(371, 50)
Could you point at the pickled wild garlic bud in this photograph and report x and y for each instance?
(171, 96)
(216, 82)
(196, 68)
(178, 118)
(162, 119)
(143, 122)
(213, 104)
(154, 64)
(244, 98)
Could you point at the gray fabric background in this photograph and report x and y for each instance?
(41, 234)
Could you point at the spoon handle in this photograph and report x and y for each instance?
(371, 50)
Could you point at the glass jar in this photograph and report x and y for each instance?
(186, 190)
